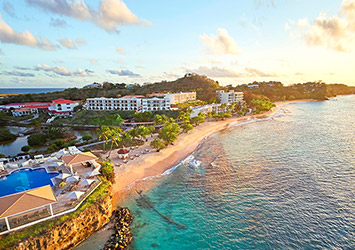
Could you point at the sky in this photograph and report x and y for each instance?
(71, 43)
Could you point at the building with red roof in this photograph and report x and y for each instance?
(56, 107)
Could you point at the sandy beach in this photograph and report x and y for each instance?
(156, 163)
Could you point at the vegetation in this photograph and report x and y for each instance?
(276, 91)
(169, 132)
(107, 171)
(158, 144)
(142, 116)
(36, 140)
(261, 105)
(26, 148)
(186, 127)
(110, 120)
(52, 134)
(87, 137)
(5, 135)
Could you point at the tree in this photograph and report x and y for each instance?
(160, 119)
(143, 131)
(169, 132)
(134, 133)
(142, 116)
(186, 127)
(125, 138)
(114, 136)
(87, 137)
(5, 135)
(104, 134)
(107, 171)
(26, 148)
(157, 144)
(36, 140)
(200, 118)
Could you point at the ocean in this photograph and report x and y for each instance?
(28, 90)
(286, 182)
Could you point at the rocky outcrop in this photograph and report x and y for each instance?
(122, 235)
(72, 231)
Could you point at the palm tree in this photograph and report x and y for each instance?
(114, 137)
(125, 137)
(104, 134)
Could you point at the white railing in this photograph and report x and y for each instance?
(46, 218)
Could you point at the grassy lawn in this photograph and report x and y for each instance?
(99, 194)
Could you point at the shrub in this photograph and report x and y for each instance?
(26, 148)
(36, 140)
(157, 144)
(87, 137)
(5, 135)
(107, 171)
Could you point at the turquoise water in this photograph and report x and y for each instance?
(25, 179)
(285, 183)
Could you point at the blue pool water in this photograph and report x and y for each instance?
(25, 179)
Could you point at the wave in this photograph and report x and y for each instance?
(184, 161)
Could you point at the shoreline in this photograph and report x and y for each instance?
(156, 164)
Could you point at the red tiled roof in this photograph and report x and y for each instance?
(60, 100)
(131, 96)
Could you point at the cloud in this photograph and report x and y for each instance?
(68, 43)
(17, 73)
(215, 72)
(8, 35)
(80, 41)
(108, 16)
(2, 52)
(140, 67)
(93, 61)
(225, 72)
(123, 72)
(299, 74)
(256, 72)
(221, 44)
(58, 22)
(9, 9)
(120, 51)
(22, 68)
(62, 71)
(337, 32)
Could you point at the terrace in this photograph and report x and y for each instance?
(73, 177)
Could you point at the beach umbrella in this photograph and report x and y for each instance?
(93, 173)
(75, 195)
(62, 176)
(62, 184)
(86, 182)
(73, 178)
(57, 164)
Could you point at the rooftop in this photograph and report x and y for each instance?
(23, 201)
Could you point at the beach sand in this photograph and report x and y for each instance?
(156, 163)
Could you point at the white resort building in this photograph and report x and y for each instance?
(138, 102)
(230, 97)
(58, 107)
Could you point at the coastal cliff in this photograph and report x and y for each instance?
(73, 231)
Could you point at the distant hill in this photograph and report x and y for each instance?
(205, 87)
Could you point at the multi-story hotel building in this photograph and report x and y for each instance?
(140, 103)
(230, 97)
(128, 103)
(182, 97)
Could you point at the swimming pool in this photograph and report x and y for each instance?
(25, 179)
